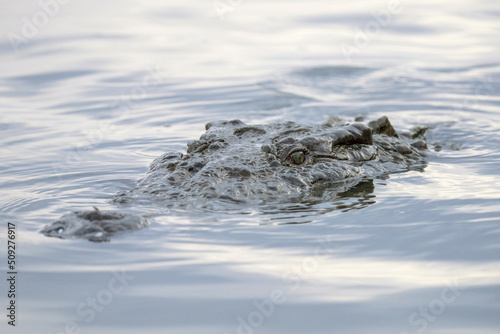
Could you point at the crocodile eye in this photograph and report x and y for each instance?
(297, 157)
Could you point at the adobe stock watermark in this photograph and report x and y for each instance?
(482, 87)
(421, 319)
(263, 309)
(122, 107)
(362, 38)
(222, 7)
(87, 310)
(31, 26)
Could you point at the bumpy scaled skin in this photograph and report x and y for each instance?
(238, 164)
(282, 162)
(94, 225)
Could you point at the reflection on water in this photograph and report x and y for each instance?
(413, 253)
(358, 194)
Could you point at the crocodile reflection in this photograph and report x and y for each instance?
(360, 194)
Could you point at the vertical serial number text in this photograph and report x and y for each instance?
(11, 273)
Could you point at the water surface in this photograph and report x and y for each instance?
(94, 93)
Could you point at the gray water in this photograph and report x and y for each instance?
(93, 91)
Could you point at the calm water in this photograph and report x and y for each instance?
(93, 92)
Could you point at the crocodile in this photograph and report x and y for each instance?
(235, 164)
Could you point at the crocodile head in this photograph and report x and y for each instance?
(279, 162)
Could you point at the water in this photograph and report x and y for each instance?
(97, 90)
